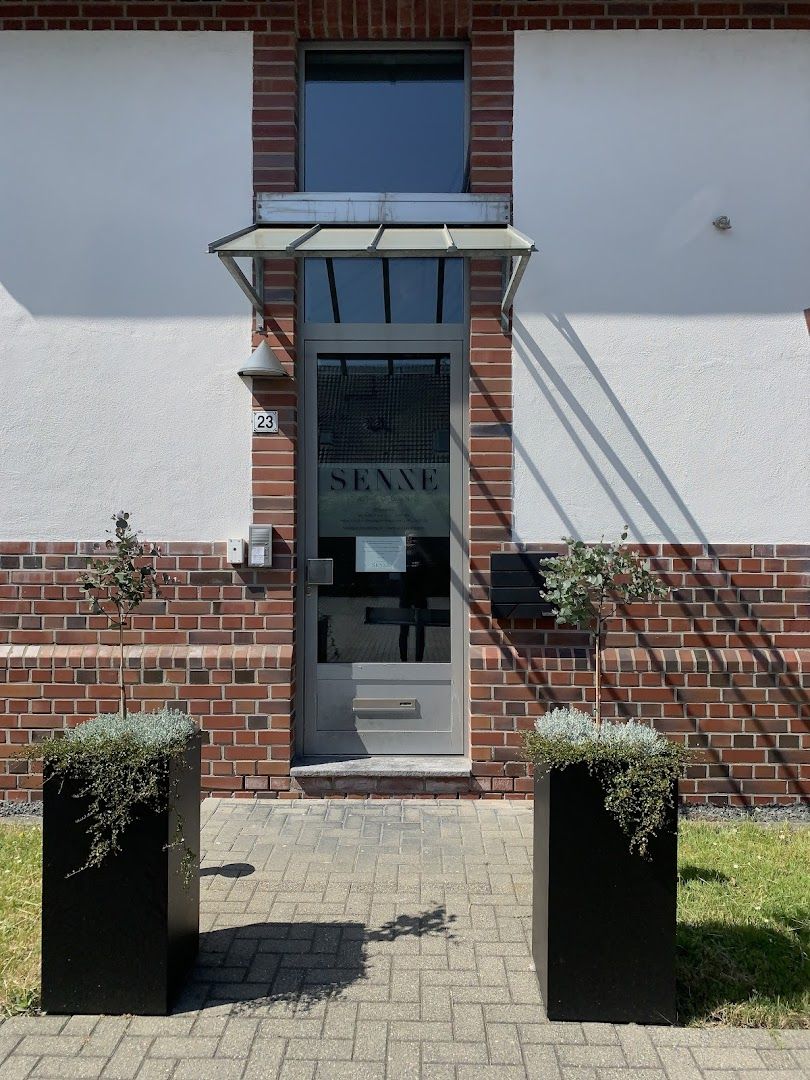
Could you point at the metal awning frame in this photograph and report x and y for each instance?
(512, 271)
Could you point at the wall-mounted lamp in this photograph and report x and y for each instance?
(263, 364)
(723, 223)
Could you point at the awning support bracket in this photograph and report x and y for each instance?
(512, 286)
(254, 296)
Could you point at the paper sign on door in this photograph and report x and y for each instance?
(380, 554)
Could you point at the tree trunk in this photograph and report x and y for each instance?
(121, 673)
(598, 662)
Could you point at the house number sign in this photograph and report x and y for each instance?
(265, 423)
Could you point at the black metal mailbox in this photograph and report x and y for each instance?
(516, 578)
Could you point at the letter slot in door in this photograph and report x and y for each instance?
(400, 706)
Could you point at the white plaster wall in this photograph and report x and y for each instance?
(122, 156)
(661, 366)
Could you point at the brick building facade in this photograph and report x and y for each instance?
(723, 662)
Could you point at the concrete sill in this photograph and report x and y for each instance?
(383, 766)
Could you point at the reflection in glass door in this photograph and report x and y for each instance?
(384, 508)
(380, 624)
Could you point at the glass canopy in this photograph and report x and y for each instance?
(384, 244)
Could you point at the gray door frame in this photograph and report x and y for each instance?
(371, 338)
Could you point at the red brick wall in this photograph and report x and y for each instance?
(414, 19)
(724, 662)
(218, 644)
(721, 663)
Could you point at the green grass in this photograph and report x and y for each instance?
(20, 862)
(744, 924)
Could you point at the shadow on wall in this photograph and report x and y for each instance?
(596, 428)
(123, 156)
(157, 269)
(554, 389)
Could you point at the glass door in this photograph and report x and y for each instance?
(383, 565)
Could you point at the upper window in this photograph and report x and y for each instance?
(384, 121)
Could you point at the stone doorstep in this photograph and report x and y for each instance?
(383, 767)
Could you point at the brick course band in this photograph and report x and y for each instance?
(367, 19)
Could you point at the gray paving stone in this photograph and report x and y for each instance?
(27, 1025)
(322, 965)
(468, 1022)
(237, 1038)
(578, 1072)
(209, 1070)
(127, 1058)
(778, 1059)
(425, 1031)
(637, 1046)
(179, 1046)
(798, 1039)
(157, 1070)
(802, 1058)
(320, 1049)
(592, 1056)
(542, 1063)
(490, 1072)
(72, 1068)
(105, 1036)
(161, 1025)
(504, 1044)
(80, 1025)
(402, 1060)
(771, 1074)
(350, 1070)
(495, 1013)
(631, 1074)
(370, 1039)
(439, 1071)
(18, 1067)
(726, 1057)
(297, 1070)
(600, 1033)
(459, 1052)
(678, 1063)
(265, 1061)
(40, 1045)
(294, 1027)
(7, 1044)
(554, 1034)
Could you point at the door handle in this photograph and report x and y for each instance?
(320, 571)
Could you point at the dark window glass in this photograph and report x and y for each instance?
(384, 473)
(355, 290)
(384, 121)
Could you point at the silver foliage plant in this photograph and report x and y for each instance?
(149, 730)
(637, 767)
(574, 726)
(120, 767)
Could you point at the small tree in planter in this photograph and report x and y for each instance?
(118, 585)
(120, 903)
(588, 584)
(605, 837)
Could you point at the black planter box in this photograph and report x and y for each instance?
(603, 919)
(120, 937)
